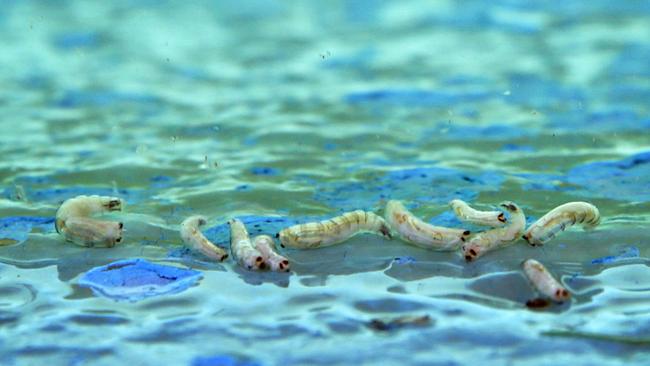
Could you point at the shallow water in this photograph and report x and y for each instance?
(284, 112)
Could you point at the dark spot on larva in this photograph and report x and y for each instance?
(502, 217)
(118, 240)
(285, 262)
(466, 232)
(462, 239)
(277, 235)
(259, 259)
(537, 303)
(120, 225)
(472, 252)
(225, 256)
(261, 265)
(468, 258)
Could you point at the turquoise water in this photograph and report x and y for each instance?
(280, 112)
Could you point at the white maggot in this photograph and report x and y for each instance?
(242, 249)
(74, 223)
(485, 218)
(265, 245)
(192, 236)
(561, 217)
(417, 232)
(489, 240)
(333, 231)
(543, 281)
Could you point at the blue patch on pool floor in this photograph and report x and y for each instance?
(433, 185)
(415, 97)
(138, 279)
(624, 253)
(627, 179)
(18, 228)
(221, 360)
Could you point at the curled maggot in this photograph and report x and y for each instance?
(560, 218)
(333, 231)
(265, 245)
(192, 236)
(466, 213)
(415, 231)
(489, 240)
(73, 221)
(242, 248)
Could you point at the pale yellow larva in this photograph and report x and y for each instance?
(265, 245)
(332, 231)
(242, 248)
(192, 236)
(561, 217)
(74, 223)
(415, 231)
(489, 240)
(485, 218)
(543, 281)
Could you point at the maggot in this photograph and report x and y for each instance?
(543, 281)
(192, 236)
(486, 241)
(73, 221)
(417, 232)
(485, 218)
(242, 249)
(265, 245)
(333, 231)
(559, 218)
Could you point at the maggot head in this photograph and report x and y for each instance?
(510, 206)
(471, 252)
(561, 294)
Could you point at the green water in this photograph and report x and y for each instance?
(296, 110)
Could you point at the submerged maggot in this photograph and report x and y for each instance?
(486, 241)
(242, 248)
(415, 231)
(192, 236)
(265, 245)
(544, 282)
(73, 221)
(560, 218)
(333, 231)
(470, 215)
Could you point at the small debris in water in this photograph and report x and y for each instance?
(388, 325)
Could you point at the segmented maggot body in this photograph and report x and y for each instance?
(192, 236)
(485, 218)
(265, 245)
(73, 221)
(486, 241)
(417, 232)
(561, 217)
(242, 249)
(91, 232)
(333, 231)
(544, 282)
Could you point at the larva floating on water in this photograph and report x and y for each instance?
(561, 217)
(192, 236)
(485, 218)
(418, 232)
(242, 249)
(486, 241)
(543, 281)
(265, 245)
(74, 223)
(333, 231)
